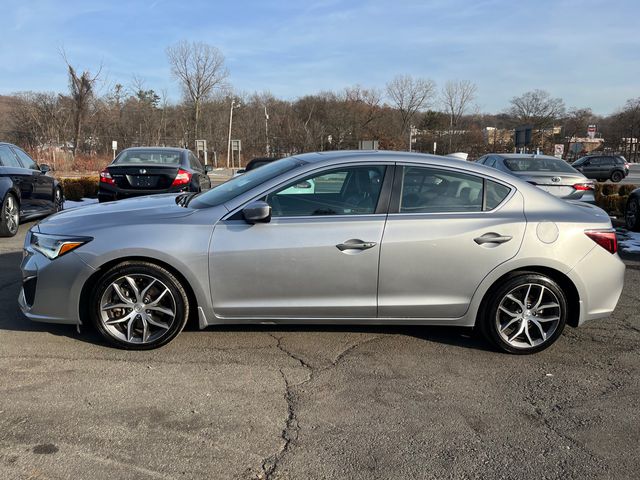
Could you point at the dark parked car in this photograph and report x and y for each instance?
(632, 211)
(603, 167)
(26, 191)
(255, 163)
(548, 173)
(151, 170)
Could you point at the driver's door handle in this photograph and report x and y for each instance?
(355, 245)
(492, 238)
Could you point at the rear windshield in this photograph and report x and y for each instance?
(538, 165)
(163, 157)
(243, 183)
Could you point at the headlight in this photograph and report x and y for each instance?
(54, 246)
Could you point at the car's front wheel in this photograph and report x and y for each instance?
(139, 305)
(525, 314)
(632, 214)
(9, 216)
(617, 176)
(58, 200)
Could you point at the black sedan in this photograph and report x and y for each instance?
(26, 191)
(151, 170)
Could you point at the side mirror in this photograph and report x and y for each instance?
(257, 212)
(45, 168)
(304, 184)
(208, 168)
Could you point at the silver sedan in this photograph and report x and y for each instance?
(335, 237)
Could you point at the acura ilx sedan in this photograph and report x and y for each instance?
(381, 238)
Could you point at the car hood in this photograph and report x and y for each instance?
(138, 210)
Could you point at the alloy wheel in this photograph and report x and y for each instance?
(137, 309)
(58, 202)
(11, 214)
(528, 315)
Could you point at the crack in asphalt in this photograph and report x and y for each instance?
(291, 428)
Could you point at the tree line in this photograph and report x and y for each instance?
(408, 113)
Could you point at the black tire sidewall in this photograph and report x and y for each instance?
(616, 177)
(144, 268)
(4, 228)
(488, 324)
(636, 226)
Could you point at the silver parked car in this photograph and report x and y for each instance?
(551, 174)
(383, 237)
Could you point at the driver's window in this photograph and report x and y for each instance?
(343, 191)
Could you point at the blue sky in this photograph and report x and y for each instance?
(587, 51)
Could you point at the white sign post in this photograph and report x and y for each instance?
(114, 147)
(558, 150)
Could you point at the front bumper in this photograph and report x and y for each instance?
(51, 288)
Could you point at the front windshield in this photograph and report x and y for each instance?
(161, 157)
(243, 183)
(538, 165)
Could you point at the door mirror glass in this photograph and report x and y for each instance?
(45, 168)
(208, 168)
(257, 212)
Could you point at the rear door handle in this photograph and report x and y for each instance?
(492, 238)
(355, 245)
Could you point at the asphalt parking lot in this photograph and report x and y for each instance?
(316, 402)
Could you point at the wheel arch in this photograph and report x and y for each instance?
(568, 287)
(91, 282)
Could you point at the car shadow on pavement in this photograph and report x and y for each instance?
(11, 319)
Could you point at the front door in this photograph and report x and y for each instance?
(316, 258)
(445, 232)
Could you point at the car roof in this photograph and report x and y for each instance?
(168, 149)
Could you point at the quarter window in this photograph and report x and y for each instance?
(345, 191)
(495, 194)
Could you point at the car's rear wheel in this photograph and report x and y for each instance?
(139, 306)
(632, 215)
(526, 314)
(9, 216)
(616, 176)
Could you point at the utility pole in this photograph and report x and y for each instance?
(266, 129)
(233, 102)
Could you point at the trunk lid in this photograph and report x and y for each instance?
(559, 184)
(143, 177)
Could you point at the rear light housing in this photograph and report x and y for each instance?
(605, 238)
(584, 186)
(105, 177)
(182, 178)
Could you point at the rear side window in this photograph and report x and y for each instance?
(490, 162)
(495, 194)
(430, 190)
(7, 158)
(25, 159)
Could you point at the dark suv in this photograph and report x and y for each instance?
(602, 167)
(26, 191)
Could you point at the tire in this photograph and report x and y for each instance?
(632, 214)
(502, 319)
(147, 306)
(9, 216)
(617, 176)
(58, 200)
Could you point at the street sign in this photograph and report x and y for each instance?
(114, 145)
(558, 150)
(236, 145)
(591, 131)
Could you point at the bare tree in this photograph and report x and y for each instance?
(409, 96)
(456, 98)
(200, 69)
(536, 108)
(81, 90)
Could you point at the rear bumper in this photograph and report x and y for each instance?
(599, 279)
(109, 193)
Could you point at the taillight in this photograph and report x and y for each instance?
(583, 186)
(182, 178)
(605, 238)
(105, 177)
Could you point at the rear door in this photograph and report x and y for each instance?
(446, 230)
(196, 166)
(42, 184)
(316, 258)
